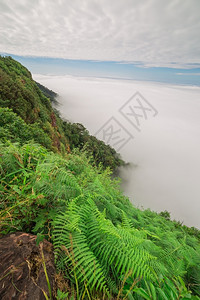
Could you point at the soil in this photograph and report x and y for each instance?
(22, 273)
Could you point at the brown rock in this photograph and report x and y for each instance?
(21, 267)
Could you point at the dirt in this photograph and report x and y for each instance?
(22, 273)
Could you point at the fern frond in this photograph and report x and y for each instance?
(97, 251)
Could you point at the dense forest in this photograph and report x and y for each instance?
(27, 114)
(57, 183)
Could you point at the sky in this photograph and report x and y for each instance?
(140, 40)
(132, 35)
(109, 69)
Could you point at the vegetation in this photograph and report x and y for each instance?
(104, 247)
(32, 104)
(48, 93)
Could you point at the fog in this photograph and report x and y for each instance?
(164, 153)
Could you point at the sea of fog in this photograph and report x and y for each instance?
(161, 141)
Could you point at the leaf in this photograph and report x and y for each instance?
(62, 295)
(162, 294)
(40, 237)
(142, 292)
(153, 291)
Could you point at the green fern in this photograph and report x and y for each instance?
(98, 252)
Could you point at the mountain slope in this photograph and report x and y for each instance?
(105, 248)
(26, 98)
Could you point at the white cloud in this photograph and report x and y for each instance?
(172, 65)
(190, 74)
(154, 32)
(165, 166)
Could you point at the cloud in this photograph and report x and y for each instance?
(154, 32)
(164, 159)
(171, 65)
(190, 74)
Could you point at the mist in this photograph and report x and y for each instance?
(164, 156)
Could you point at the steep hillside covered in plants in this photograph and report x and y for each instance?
(104, 247)
(33, 117)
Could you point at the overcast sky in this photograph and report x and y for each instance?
(154, 32)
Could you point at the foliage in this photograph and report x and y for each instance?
(80, 138)
(96, 250)
(32, 102)
(103, 244)
(13, 128)
(48, 93)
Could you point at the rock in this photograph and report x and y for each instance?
(21, 267)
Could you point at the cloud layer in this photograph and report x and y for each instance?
(153, 31)
(165, 166)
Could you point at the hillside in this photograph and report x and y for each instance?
(56, 183)
(34, 117)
